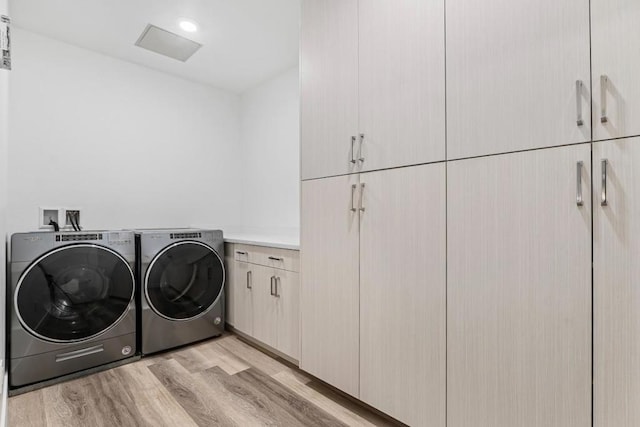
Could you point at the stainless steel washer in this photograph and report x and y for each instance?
(182, 279)
(71, 303)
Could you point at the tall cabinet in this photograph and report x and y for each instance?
(519, 289)
(616, 287)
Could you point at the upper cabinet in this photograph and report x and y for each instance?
(517, 75)
(402, 84)
(616, 66)
(328, 87)
(372, 85)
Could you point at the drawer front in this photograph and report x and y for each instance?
(283, 259)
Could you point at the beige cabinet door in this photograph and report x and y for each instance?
(512, 68)
(519, 290)
(616, 67)
(616, 284)
(265, 314)
(328, 87)
(401, 82)
(403, 293)
(329, 287)
(288, 312)
(242, 288)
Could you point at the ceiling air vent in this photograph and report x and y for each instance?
(167, 43)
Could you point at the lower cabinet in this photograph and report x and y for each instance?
(264, 301)
(519, 290)
(373, 290)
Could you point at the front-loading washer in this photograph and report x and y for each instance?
(181, 287)
(71, 303)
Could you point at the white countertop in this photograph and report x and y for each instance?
(283, 238)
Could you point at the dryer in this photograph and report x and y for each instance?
(71, 303)
(182, 278)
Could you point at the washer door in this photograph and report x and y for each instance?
(184, 280)
(74, 293)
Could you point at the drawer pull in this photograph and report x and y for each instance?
(273, 258)
(240, 253)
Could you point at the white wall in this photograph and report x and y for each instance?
(271, 163)
(4, 118)
(131, 146)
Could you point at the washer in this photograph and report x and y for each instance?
(71, 302)
(182, 279)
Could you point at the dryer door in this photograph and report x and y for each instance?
(184, 280)
(74, 293)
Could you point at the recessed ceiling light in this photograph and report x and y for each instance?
(188, 26)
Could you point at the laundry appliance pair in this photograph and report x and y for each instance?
(79, 300)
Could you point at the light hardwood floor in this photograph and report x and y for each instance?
(220, 382)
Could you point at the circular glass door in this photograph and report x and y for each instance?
(184, 280)
(74, 293)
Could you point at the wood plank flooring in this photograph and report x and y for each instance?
(221, 382)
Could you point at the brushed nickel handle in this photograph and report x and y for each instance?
(249, 277)
(579, 199)
(240, 253)
(273, 279)
(360, 156)
(278, 282)
(603, 195)
(273, 258)
(579, 86)
(604, 81)
(362, 197)
(353, 142)
(353, 192)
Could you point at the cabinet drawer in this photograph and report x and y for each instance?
(283, 259)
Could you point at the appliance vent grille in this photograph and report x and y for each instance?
(78, 237)
(185, 235)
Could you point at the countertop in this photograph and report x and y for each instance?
(283, 238)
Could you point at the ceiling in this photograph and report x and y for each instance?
(245, 42)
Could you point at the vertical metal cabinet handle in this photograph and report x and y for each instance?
(579, 86)
(353, 192)
(360, 156)
(579, 200)
(278, 282)
(273, 282)
(353, 142)
(603, 166)
(249, 286)
(362, 197)
(604, 81)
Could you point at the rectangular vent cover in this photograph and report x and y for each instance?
(77, 237)
(185, 235)
(167, 43)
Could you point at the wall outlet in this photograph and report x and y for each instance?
(71, 216)
(50, 214)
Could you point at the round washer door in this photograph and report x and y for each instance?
(74, 293)
(184, 280)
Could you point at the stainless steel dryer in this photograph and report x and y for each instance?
(71, 303)
(182, 279)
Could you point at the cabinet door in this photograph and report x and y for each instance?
(614, 48)
(265, 305)
(329, 289)
(403, 293)
(512, 68)
(244, 280)
(519, 290)
(616, 285)
(288, 315)
(328, 86)
(401, 82)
